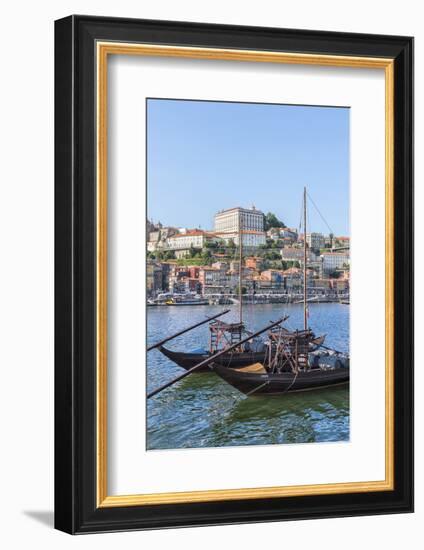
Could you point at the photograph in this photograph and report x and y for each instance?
(247, 274)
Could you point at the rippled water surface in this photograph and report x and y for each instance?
(203, 411)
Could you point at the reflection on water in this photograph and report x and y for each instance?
(203, 411)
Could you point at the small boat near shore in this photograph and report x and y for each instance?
(187, 302)
(172, 299)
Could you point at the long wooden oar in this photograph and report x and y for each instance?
(214, 357)
(153, 346)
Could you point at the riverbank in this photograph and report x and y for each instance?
(258, 299)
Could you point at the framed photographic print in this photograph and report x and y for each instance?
(233, 274)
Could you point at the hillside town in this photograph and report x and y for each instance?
(196, 266)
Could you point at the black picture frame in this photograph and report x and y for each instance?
(76, 510)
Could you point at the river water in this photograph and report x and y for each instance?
(203, 411)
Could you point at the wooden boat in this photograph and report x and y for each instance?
(222, 335)
(288, 367)
(233, 359)
(256, 380)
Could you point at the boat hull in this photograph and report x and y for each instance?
(267, 384)
(230, 360)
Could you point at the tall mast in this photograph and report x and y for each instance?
(240, 268)
(305, 311)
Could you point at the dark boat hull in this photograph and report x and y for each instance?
(260, 384)
(230, 360)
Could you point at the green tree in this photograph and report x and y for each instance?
(169, 255)
(207, 256)
(272, 255)
(271, 220)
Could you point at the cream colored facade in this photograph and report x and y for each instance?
(191, 239)
(334, 260)
(251, 222)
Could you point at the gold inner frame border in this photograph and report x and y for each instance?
(103, 50)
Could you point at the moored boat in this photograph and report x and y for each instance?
(256, 380)
(230, 360)
(253, 353)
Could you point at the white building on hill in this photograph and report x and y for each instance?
(251, 222)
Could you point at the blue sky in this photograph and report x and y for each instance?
(207, 156)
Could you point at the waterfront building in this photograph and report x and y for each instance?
(233, 279)
(293, 280)
(274, 276)
(166, 269)
(183, 278)
(176, 274)
(154, 278)
(320, 286)
(227, 226)
(315, 241)
(268, 287)
(340, 286)
(213, 281)
(191, 284)
(331, 261)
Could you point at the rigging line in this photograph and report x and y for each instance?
(301, 215)
(308, 220)
(293, 381)
(317, 209)
(258, 388)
